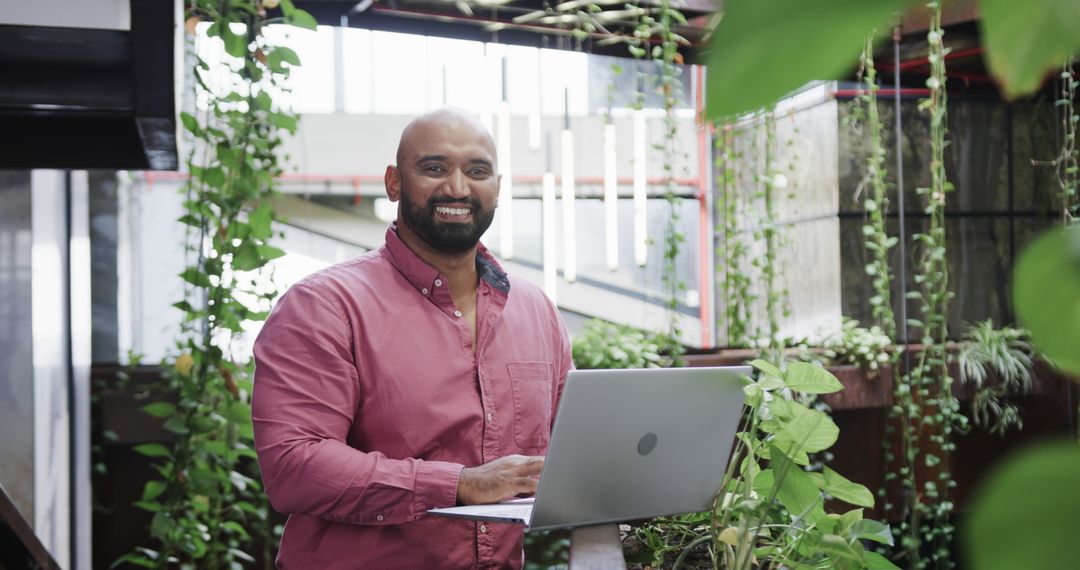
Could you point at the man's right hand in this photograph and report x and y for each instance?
(499, 480)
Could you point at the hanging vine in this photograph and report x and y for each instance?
(1068, 170)
(736, 282)
(876, 203)
(924, 394)
(209, 509)
(770, 181)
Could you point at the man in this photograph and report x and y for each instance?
(413, 377)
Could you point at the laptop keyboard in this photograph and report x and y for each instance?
(516, 511)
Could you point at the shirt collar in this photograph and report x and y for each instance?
(423, 276)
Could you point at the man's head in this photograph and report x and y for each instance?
(446, 179)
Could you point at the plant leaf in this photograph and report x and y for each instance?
(793, 486)
(1046, 294)
(1024, 516)
(152, 450)
(875, 561)
(1024, 42)
(761, 51)
(810, 431)
(303, 19)
(873, 530)
(767, 367)
(159, 409)
(811, 379)
(152, 490)
(841, 488)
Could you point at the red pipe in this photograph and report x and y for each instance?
(921, 61)
(704, 231)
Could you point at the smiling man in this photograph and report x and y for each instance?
(416, 376)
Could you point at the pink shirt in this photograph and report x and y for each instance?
(369, 400)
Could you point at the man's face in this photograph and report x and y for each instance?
(448, 187)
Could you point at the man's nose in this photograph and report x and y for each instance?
(457, 184)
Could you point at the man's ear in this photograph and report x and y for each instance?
(392, 179)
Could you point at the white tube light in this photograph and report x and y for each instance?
(550, 271)
(641, 251)
(611, 199)
(569, 222)
(506, 188)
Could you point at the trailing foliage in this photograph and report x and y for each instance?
(999, 363)
(869, 348)
(926, 409)
(770, 511)
(738, 296)
(606, 345)
(1068, 169)
(876, 203)
(208, 505)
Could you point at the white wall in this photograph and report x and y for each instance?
(99, 14)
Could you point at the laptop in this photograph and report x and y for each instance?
(630, 444)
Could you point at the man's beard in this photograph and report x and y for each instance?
(447, 237)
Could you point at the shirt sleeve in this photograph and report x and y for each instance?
(305, 398)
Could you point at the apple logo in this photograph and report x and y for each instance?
(646, 444)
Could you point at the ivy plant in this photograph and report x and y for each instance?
(208, 507)
(606, 345)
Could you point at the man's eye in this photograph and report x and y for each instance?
(433, 168)
(478, 172)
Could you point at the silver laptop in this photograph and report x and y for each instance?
(630, 444)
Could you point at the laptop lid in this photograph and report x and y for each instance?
(630, 444)
(639, 443)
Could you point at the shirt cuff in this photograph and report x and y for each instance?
(436, 485)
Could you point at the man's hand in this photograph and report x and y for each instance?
(499, 480)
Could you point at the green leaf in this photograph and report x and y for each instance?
(867, 529)
(195, 277)
(269, 252)
(152, 506)
(214, 177)
(761, 51)
(766, 367)
(152, 490)
(845, 490)
(283, 121)
(235, 44)
(260, 219)
(236, 528)
(1024, 42)
(190, 123)
(302, 19)
(875, 561)
(136, 559)
(807, 432)
(792, 485)
(152, 450)
(1046, 294)
(246, 257)
(159, 409)
(1024, 516)
(279, 55)
(811, 379)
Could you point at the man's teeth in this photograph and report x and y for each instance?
(451, 211)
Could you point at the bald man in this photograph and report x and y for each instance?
(416, 376)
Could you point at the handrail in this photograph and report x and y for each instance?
(19, 546)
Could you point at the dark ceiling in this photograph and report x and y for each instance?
(517, 22)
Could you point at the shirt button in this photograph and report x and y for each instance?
(489, 417)
(457, 313)
(378, 517)
(438, 282)
(424, 290)
(483, 528)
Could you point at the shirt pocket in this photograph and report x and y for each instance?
(531, 384)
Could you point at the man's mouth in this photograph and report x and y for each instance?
(453, 211)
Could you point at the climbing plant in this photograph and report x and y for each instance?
(209, 510)
(1068, 169)
(734, 250)
(926, 409)
(876, 201)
